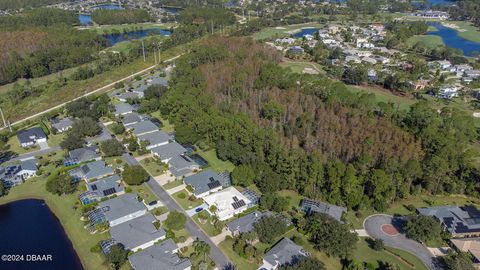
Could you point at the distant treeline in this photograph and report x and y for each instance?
(17, 4)
(38, 17)
(468, 10)
(43, 41)
(191, 3)
(105, 16)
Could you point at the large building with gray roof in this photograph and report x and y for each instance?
(311, 206)
(122, 209)
(159, 256)
(206, 182)
(459, 221)
(285, 252)
(138, 233)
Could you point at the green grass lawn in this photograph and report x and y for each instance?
(14, 145)
(153, 167)
(173, 184)
(298, 67)
(468, 31)
(242, 264)
(207, 226)
(383, 95)
(144, 192)
(66, 209)
(55, 140)
(426, 41)
(294, 197)
(115, 162)
(214, 162)
(166, 125)
(185, 202)
(282, 31)
(364, 253)
(102, 29)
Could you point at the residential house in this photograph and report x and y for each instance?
(285, 252)
(108, 186)
(143, 127)
(15, 174)
(474, 74)
(138, 233)
(125, 96)
(471, 246)
(122, 209)
(30, 137)
(157, 81)
(448, 92)
(228, 202)
(311, 206)
(91, 171)
(206, 182)
(182, 166)
(130, 119)
(369, 60)
(458, 221)
(252, 196)
(123, 109)
(246, 223)
(159, 256)
(168, 151)
(155, 139)
(62, 125)
(80, 155)
(288, 41)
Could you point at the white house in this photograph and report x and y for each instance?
(228, 203)
(448, 92)
(30, 137)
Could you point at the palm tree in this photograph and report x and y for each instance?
(201, 247)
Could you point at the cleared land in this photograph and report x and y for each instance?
(214, 162)
(283, 31)
(426, 41)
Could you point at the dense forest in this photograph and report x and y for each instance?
(43, 41)
(18, 4)
(310, 134)
(468, 10)
(192, 3)
(107, 16)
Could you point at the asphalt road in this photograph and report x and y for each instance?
(373, 225)
(216, 255)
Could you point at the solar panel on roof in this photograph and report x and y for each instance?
(213, 184)
(94, 187)
(238, 204)
(109, 191)
(235, 199)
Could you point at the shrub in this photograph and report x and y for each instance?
(182, 195)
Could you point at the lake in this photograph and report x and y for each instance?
(28, 227)
(305, 31)
(86, 19)
(452, 39)
(115, 38)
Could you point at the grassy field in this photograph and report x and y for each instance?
(214, 162)
(467, 30)
(242, 264)
(166, 125)
(383, 95)
(185, 202)
(173, 184)
(425, 41)
(283, 31)
(102, 29)
(364, 253)
(55, 140)
(293, 196)
(14, 145)
(66, 209)
(298, 67)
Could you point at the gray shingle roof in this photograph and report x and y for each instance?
(182, 165)
(246, 223)
(84, 154)
(137, 232)
(123, 108)
(121, 206)
(131, 118)
(96, 169)
(62, 124)
(169, 150)
(202, 182)
(106, 186)
(143, 127)
(334, 211)
(31, 135)
(159, 256)
(284, 252)
(155, 137)
(457, 220)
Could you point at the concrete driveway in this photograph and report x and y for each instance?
(192, 212)
(373, 226)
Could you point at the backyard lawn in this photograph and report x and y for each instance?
(55, 140)
(182, 197)
(67, 210)
(364, 253)
(214, 162)
(166, 125)
(14, 146)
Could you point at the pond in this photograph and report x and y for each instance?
(28, 227)
(115, 38)
(305, 31)
(86, 19)
(452, 39)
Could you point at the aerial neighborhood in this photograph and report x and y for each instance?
(247, 135)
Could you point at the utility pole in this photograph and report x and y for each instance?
(143, 49)
(3, 118)
(159, 49)
(155, 55)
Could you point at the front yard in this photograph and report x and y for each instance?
(186, 201)
(206, 225)
(153, 167)
(173, 184)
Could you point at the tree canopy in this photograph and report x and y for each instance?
(134, 175)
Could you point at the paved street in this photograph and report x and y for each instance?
(217, 256)
(373, 226)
